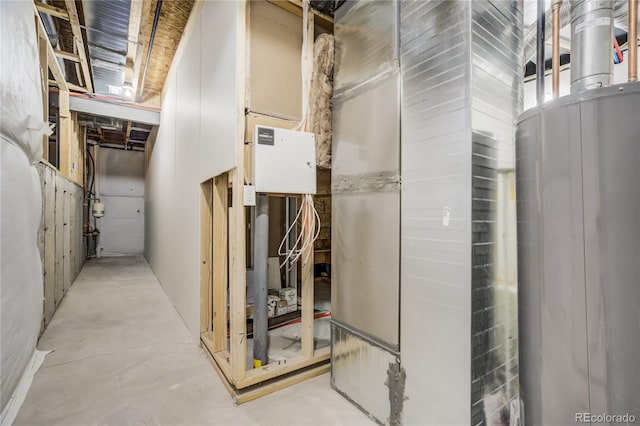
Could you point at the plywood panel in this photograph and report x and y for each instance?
(59, 240)
(49, 223)
(66, 235)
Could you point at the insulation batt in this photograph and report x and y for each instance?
(320, 96)
(21, 130)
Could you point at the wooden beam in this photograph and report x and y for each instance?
(307, 256)
(44, 85)
(273, 370)
(65, 133)
(79, 42)
(52, 62)
(70, 86)
(52, 10)
(206, 255)
(237, 235)
(138, 18)
(67, 55)
(220, 261)
(295, 7)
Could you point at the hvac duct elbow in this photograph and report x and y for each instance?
(591, 40)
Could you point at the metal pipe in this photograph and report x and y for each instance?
(540, 26)
(555, 56)
(260, 258)
(591, 41)
(292, 270)
(632, 38)
(153, 36)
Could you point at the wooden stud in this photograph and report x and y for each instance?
(64, 133)
(220, 261)
(52, 10)
(44, 85)
(237, 240)
(54, 67)
(307, 257)
(79, 42)
(67, 55)
(206, 255)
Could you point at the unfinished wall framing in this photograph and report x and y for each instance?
(267, 101)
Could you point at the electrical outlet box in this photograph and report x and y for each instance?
(284, 161)
(249, 195)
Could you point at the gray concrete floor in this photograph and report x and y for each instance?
(122, 356)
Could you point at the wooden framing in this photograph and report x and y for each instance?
(52, 10)
(79, 42)
(223, 246)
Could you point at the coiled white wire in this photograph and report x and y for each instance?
(309, 219)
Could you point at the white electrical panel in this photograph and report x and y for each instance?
(284, 161)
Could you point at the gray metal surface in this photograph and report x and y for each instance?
(365, 263)
(107, 32)
(368, 128)
(591, 35)
(261, 254)
(359, 371)
(366, 42)
(457, 112)
(578, 256)
(366, 147)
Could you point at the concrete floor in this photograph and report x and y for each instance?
(122, 355)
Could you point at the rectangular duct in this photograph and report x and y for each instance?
(460, 78)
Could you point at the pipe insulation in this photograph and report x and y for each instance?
(591, 40)
(261, 255)
(320, 98)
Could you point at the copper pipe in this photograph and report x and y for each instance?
(555, 50)
(633, 40)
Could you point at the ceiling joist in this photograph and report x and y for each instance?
(79, 42)
(137, 54)
(52, 10)
(52, 61)
(67, 55)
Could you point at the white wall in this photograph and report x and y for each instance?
(120, 186)
(195, 141)
(21, 288)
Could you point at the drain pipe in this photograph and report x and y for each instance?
(591, 35)
(151, 39)
(632, 39)
(540, 27)
(260, 258)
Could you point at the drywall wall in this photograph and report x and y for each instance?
(21, 129)
(196, 140)
(120, 186)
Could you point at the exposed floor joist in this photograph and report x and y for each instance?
(79, 43)
(52, 10)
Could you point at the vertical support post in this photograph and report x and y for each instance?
(307, 297)
(555, 54)
(44, 80)
(540, 29)
(64, 133)
(220, 265)
(237, 234)
(292, 270)
(206, 255)
(260, 257)
(632, 39)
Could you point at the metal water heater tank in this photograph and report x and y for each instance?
(578, 191)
